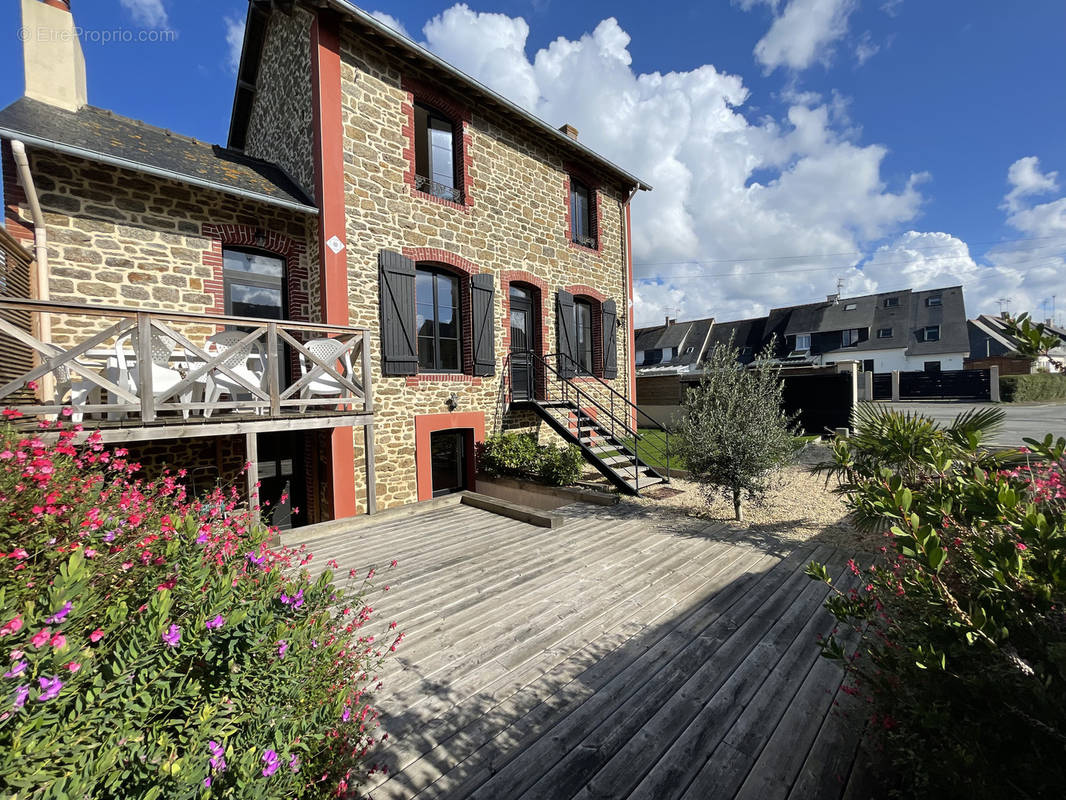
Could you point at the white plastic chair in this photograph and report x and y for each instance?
(246, 360)
(81, 390)
(164, 376)
(328, 351)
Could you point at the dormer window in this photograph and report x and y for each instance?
(934, 301)
(891, 302)
(884, 333)
(435, 158)
(803, 341)
(582, 214)
(930, 333)
(849, 338)
(850, 307)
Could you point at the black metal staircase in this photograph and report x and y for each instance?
(589, 413)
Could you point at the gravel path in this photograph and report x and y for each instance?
(801, 508)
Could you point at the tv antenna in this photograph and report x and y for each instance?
(1004, 305)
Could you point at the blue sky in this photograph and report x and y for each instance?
(922, 140)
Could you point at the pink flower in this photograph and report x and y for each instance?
(282, 647)
(96, 635)
(59, 641)
(73, 666)
(13, 626)
(41, 638)
(1021, 546)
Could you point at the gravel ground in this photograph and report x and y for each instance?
(801, 508)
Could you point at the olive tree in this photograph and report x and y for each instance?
(734, 434)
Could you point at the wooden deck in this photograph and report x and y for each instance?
(609, 658)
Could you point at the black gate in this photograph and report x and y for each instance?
(883, 386)
(962, 384)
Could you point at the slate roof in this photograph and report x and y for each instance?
(745, 333)
(989, 337)
(680, 335)
(99, 135)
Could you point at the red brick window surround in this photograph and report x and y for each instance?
(222, 236)
(448, 108)
(594, 298)
(444, 261)
(595, 211)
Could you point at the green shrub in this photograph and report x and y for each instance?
(961, 632)
(1040, 386)
(517, 455)
(156, 647)
(561, 466)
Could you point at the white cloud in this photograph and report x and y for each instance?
(737, 200)
(803, 33)
(149, 13)
(1026, 179)
(866, 48)
(234, 40)
(392, 22)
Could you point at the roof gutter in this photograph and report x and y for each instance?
(124, 163)
(557, 135)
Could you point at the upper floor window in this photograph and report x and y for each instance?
(891, 302)
(851, 306)
(884, 333)
(583, 329)
(582, 214)
(438, 321)
(849, 338)
(803, 341)
(435, 158)
(930, 333)
(934, 301)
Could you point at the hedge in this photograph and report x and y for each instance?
(1030, 388)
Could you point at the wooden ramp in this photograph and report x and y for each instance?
(608, 658)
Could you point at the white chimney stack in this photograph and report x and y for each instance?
(52, 56)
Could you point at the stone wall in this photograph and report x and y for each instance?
(513, 219)
(279, 129)
(122, 238)
(208, 461)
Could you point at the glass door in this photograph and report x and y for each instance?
(448, 457)
(521, 344)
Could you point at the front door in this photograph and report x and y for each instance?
(448, 458)
(521, 344)
(282, 479)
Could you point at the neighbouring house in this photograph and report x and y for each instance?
(673, 347)
(991, 344)
(368, 278)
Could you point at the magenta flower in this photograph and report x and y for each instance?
(96, 635)
(21, 693)
(347, 715)
(172, 636)
(271, 759)
(218, 752)
(60, 615)
(282, 647)
(217, 622)
(298, 600)
(16, 670)
(49, 688)
(41, 638)
(294, 763)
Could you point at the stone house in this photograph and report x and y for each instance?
(371, 196)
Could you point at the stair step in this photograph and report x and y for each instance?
(644, 483)
(621, 459)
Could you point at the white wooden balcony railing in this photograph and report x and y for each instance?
(121, 367)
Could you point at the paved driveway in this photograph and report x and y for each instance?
(1023, 421)
(608, 659)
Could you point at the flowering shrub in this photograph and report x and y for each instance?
(961, 627)
(154, 646)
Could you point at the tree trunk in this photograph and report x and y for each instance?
(737, 505)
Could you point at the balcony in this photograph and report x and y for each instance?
(142, 375)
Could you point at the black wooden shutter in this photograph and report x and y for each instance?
(482, 296)
(399, 343)
(566, 334)
(610, 340)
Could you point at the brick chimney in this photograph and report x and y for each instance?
(52, 56)
(570, 131)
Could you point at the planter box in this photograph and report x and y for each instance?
(537, 495)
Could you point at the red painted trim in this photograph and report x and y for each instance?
(426, 424)
(584, 290)
(328, 128)
(631, 356)
(442, 257)
(420, 92)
